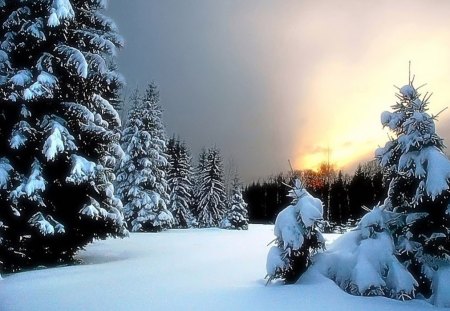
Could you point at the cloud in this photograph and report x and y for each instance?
(271, 80)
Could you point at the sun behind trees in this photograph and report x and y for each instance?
(398, 247)
(343, 195)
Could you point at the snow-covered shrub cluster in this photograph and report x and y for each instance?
(59, 131)
(297, 236)
(363, 261)
(142, 183)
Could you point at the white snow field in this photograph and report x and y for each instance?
(194, 269)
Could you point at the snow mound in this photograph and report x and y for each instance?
(363, 262)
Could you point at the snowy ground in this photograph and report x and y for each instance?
(203, 269)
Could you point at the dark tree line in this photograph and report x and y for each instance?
(266, 199)
(343, 195)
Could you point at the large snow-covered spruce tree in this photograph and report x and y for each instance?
(179, 177)
(142, 184)
(297, 236)
(211, 193)
(418, 173)
(59, 133)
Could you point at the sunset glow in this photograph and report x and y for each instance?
(346, 93)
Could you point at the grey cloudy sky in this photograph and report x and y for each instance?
(267, 81)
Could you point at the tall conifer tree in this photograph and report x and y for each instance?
(197, 182)
(59, 132)
(237, 214)
(142, 183)
(180, 183)
(418, 172)
(211, 197)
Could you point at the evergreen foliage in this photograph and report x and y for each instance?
(197, 182)
(266, 199)
(237, 215)
(179, 178)
(59, 132)
(365, 188)
(338, 199)
(142, 184)
(418, 173)
(211, 195)
(297, 236)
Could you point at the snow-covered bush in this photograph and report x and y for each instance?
(59, 131)
(418, 172)
(142, 184)
(363, 261)
(297, 236)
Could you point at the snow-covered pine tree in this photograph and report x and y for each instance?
(142, 184)
(59, 133)
(179, 177)
(418, 173)
(197, 182)
(237, 214)
(211, 195)
(363, 262)
(297, 236)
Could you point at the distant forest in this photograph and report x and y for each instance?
(343, 195)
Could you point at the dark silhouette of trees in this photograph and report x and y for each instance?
(265, 200)
(339, 199)
(342, 195)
